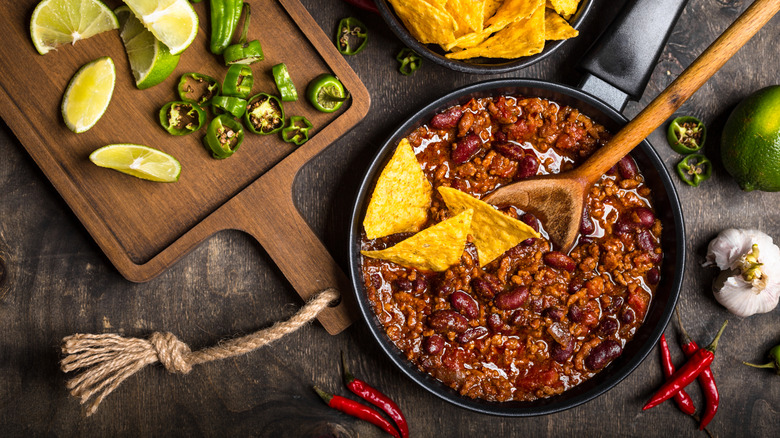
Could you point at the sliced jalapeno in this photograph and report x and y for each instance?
(235, 106)
(326, 93)
(297, 131)
(264, 114)
(686, 134)
(181, 118)
(284, 83)
(238, 81)
(223, 136)
(225, 15)
(197, 88)
(694, 169)
(351, 36)
(244, 52)
(410, 61)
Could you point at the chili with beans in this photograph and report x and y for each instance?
(534, 322)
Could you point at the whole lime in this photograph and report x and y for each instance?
(750, 146)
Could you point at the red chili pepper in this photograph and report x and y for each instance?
(683, 400)
(357, 410)
(368, 5)
(706, 380)
(373, 396)
(700, 360)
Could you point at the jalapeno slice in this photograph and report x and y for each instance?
(694, 169)
(351, 36)
(244, 52)
(235, 106)
(297, 131)
(284, 83)
(181, 118)
(197, 88)
(223, 136)
(326, 93)
(238, 81)
(410, 61)
(264, 114)
(686, 134)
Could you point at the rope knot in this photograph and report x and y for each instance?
(171, 352)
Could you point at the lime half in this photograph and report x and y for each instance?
(138, 160)
(174, 22)
(150, 59)
(57, 22)
(88, 94)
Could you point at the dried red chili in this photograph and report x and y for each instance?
(706, 380)
(683, 400)
(373, 396)
(700, 360)
(358, 410)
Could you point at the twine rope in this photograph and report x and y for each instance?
(107, 360)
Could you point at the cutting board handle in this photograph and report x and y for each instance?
(267, 212)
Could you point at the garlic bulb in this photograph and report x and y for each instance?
(750, 263)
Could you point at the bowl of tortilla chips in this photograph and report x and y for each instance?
(484, 36)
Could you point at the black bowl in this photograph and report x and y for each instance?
(475, 65)
(667, 208)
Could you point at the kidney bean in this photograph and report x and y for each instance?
(653, 276)
(627, 316)
(376, 281)
(624, 225)
(536, 305)
(560, 353)
(607, 327)
(554, 313)
(645, 215)
(517, 318)
(445, 288)
(444, 321)
(466, 148)
(602, 354)
(655, 257)
(576, 284)
(513, 299)
(495, 324)
(527, 167)
(530, 220)
(627, 167)
(559, 260)
(403, 284)
(483, 288)
(576, 314)
(645, 241)
(420, 284)
(499, 136)
(433, 344)
(447, 120)
(510, 150)
(586, 224)
(617, 303)
(463, 303)
(471, 334)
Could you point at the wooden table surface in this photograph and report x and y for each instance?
(54, 281)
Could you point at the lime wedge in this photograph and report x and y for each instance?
(150, 59)
(174, 22)
(138, 160)
(57, 22)
(88, 94)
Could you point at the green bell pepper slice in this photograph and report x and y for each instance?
(694, 169)
(297, 131)
(181, 118)
(223, 136)
(264, 114)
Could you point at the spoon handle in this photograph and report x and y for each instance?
(663, 106)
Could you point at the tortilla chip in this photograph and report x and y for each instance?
(521, 38)
(433, 249)
(427, 23)
(467, 13)
(491, 6)
(566, 8)
(494, 232)
(510, 11)
(556, 28)
(401, 197)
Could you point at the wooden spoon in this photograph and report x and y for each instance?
(558, 199)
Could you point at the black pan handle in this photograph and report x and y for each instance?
(624, 56)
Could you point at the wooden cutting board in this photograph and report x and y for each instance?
(144, 227)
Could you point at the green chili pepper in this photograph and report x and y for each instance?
(694, 169)
(410, 61)
(284, 83)
(774, 356)
(264, 114)
(181, 118)
(238, 81)
(197, 88)
(244, 52)
(229, 104)
(351, 28)
(224, 20)
(686, 135)
(326, 93)
(223, 136)
(297, 131)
